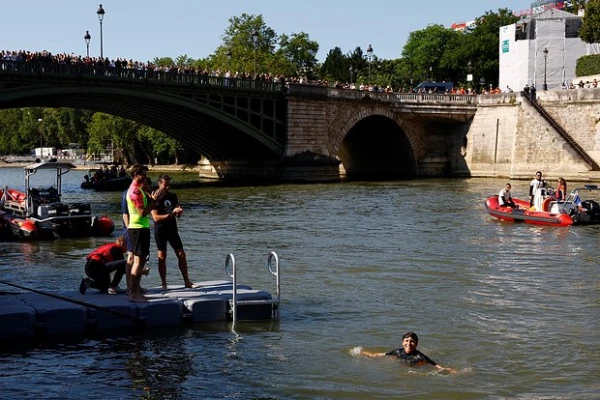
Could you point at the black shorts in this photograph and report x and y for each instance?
(139, 239)
(127, 241)
(162, 237)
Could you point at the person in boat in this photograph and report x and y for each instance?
(139, 205)
(101, 263)
(165, 217)
(505, 197)
(408, 353)
(535, 184)
(125, 216)
(561, 190)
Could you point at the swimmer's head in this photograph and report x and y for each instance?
(411, 335)
(410, 341)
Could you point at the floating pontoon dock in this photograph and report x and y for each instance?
(37, 313)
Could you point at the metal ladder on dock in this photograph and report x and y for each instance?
(273, 267)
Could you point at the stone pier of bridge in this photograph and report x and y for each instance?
(333, 133)
(374, 138)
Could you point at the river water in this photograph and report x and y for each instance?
(513, 308)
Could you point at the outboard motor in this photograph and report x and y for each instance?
(588, 214)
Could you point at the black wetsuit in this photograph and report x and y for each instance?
(415, 358)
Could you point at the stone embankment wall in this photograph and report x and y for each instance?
(509, 138)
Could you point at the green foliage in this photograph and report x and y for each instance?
(588, 65)
(184, 61)
(574, 6)
(299, 52)
(109, 132)
(335, 66)
(157, 146)
(432, 53)
(590, 30)
(425, 50)
(163, 61)
(19, 131)
(481, 46)
(239, 39)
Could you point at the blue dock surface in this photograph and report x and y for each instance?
(35, 314)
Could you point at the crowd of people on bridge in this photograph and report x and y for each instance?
(129, 69)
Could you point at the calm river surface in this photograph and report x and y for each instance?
(514, 308)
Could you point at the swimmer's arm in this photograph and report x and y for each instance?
(371, 354)
(445, 369)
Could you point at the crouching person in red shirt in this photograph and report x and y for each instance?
(103, 261)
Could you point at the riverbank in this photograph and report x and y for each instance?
(88, 165)
(208, 173)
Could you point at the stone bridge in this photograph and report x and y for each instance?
(256, 130)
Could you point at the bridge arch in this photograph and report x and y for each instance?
(204, 129)
(376, 143)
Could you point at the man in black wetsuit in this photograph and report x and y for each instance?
(165, 232)
(408, 352)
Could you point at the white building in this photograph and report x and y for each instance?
(523, 60)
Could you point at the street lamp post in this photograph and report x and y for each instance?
(87, 39)
(469, 73)
(545, 66)
(229, 59)
(41, 136)
(351, 74)
(100, 13)
(369, 55)
(430, 73)
(255, 43)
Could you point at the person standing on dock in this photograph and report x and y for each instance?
(165, 231)
(125, 215)
(139, 204)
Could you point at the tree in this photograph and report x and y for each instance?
(335, 67)
(239, 39)
(424, 51)
(163, 61)
(19, 130)
(157, 146)
(112, 132)
(574, 6)
(358, 61)
(184, 61)
(480, 46)
(65, 125)
(590, 30)
(300, 52)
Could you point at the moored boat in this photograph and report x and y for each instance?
(40, 213)
(106, 179)
(547, 211)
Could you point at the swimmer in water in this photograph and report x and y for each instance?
(408, 353)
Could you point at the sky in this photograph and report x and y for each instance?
(144, 30)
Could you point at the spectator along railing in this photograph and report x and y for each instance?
(111, 73)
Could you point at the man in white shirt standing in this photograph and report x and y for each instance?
(534, 185)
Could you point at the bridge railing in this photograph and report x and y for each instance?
(324, 92)
(403, 97)
(111, 73)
